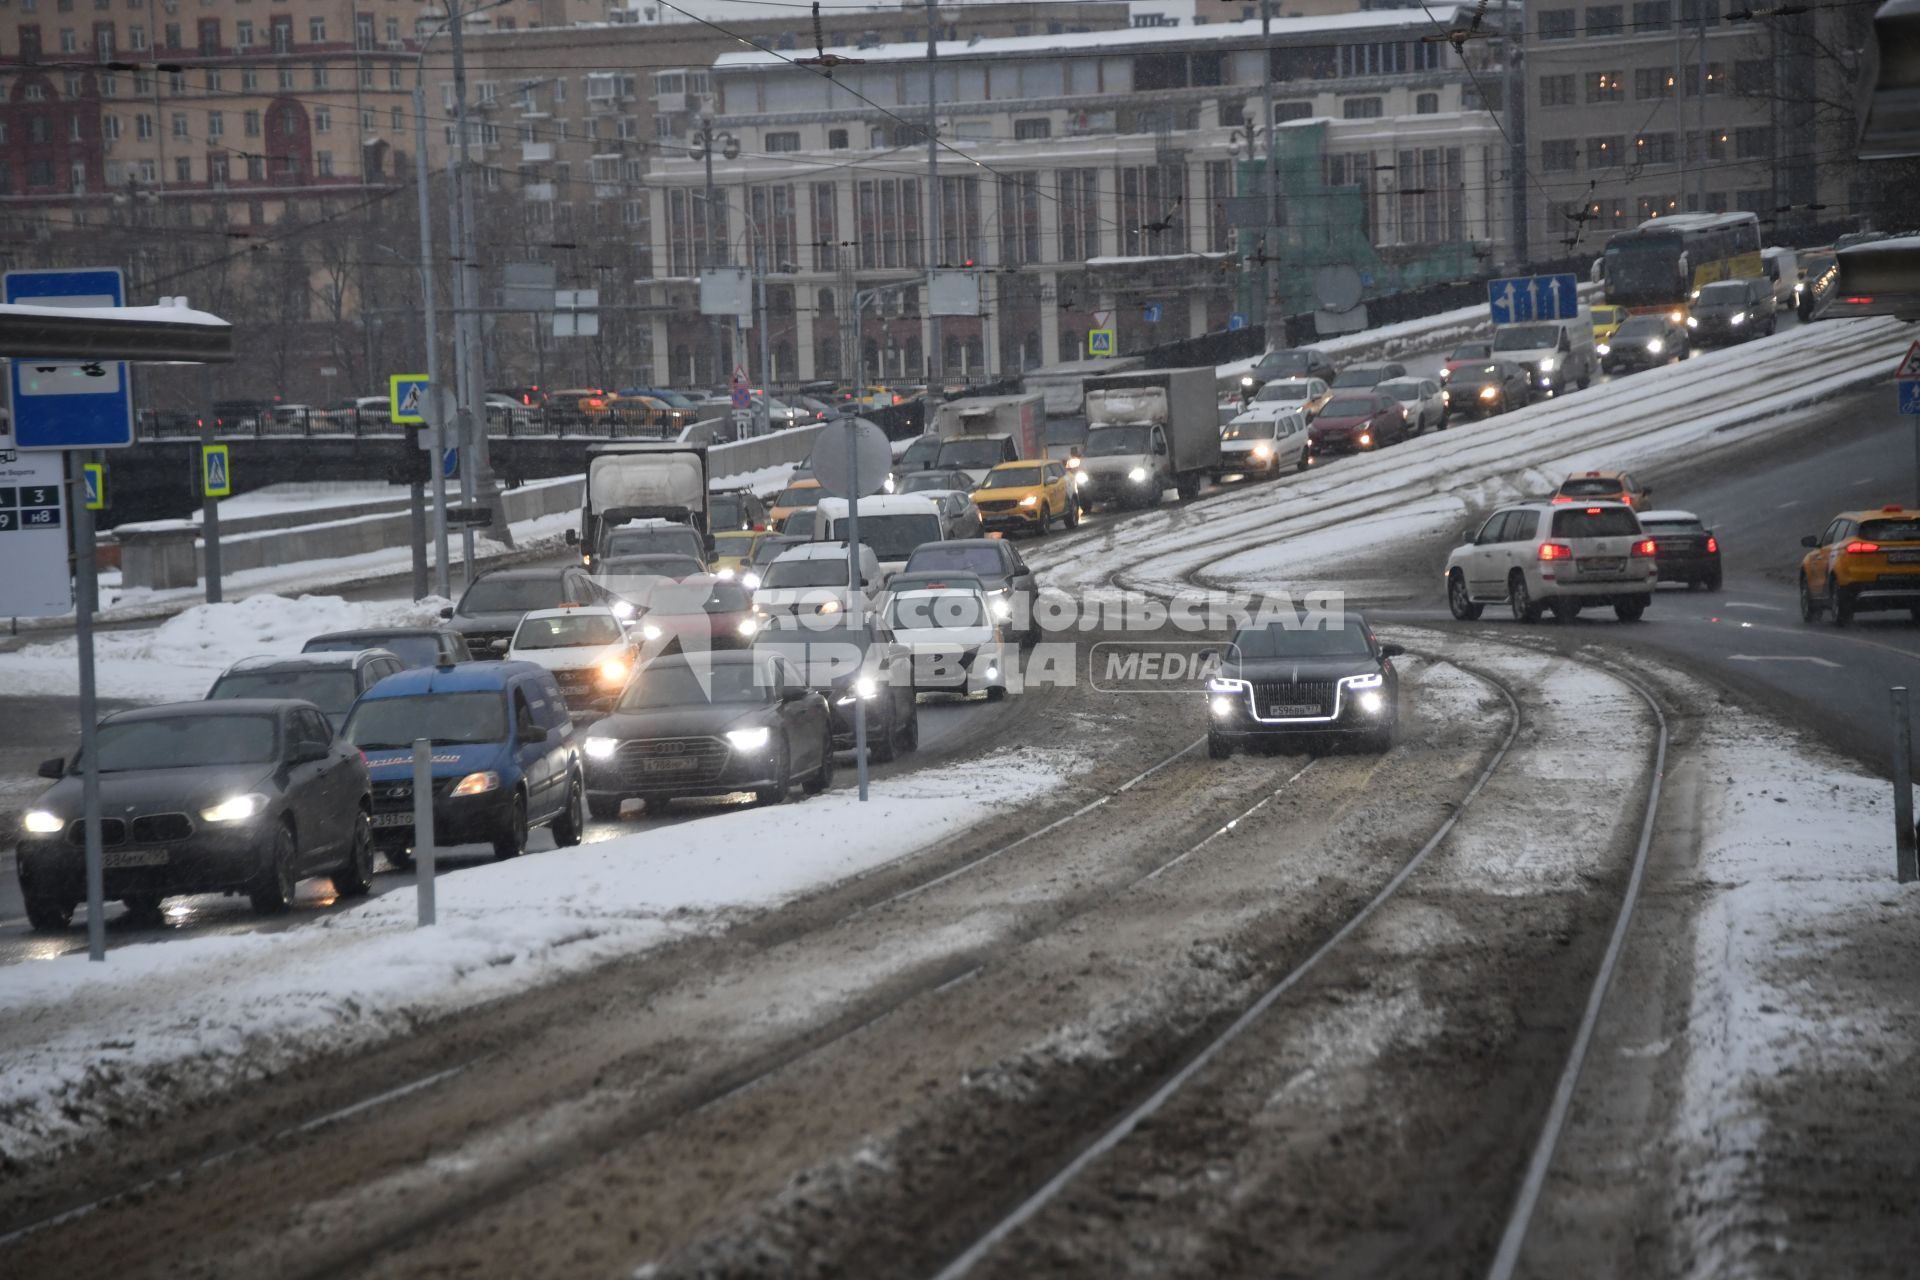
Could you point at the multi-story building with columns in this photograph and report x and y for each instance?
(1082, 178)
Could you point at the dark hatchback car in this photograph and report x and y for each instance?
(1301, 362)
(1732, 311)
(1684, 549)
(710, 725)
(1644, 341)
(330, 681)
(490, 608)
(1488, 387)
(1365, 377)
(1012, 590)
(414, 646)
(246, 796)
(1278, 683)
(1356, 422)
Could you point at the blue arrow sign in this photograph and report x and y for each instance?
(1522, 298)
(1507, 303)
(70, 404)
(1152, 315)
(1909, 397)
(451, 467)
(1238, 320)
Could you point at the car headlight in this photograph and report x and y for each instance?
(1247, 381)
(1138, 475)
(1220, 705)
(1446, 375)
(1489, 393)
(1002, 608)
(1603, 348)
(1693, 322)
(475, 784)
(748, 627)
(1371, 680)
(1366, 437)
(615, 670)
(622, 609)
(601, 748)
(1547, 363)
(1655, 346)
(1225, 684)
(1263, 450)
(750, 581)
(1073, 462)
(1739, 317)
(827, 606)
(1371, 702)
(235, 808)
(749, 739)
(42, 823)
(865, 687)
(1030, 501)
(724, 574)
(887, 484)
(650, 631)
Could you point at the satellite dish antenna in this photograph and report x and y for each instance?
(1336, 287)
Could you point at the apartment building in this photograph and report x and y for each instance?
(1082, 178)
(1641, 108)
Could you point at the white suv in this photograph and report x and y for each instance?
(1558, 556)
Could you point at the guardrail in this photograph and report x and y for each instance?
(355, 423)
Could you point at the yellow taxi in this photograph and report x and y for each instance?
(733, 550)
(797, 496)
(1604, 486)
(1606, 319)
(1865, 561)
(1027, 495)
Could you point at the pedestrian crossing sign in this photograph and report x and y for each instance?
(1099, 342)
(407, 397)
(216, 478)
(1909, 363)
(94, 474)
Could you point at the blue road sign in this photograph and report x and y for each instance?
(1153, 313)
(1909, 397)
(1519, 299)
(451, 467)
(70, 404)
(216, 474)
(1238, 320)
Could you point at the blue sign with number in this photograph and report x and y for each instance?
(1153, 313)
(70, 404)
(1238, 320)
(1519, 299)
(1909, 397)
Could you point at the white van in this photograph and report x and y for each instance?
(1783, 273)
(813, 580)
(892, 524)
(1557, 354)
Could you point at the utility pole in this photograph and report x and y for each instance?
(1516, 133)
(1270, 187)
(706, 243)
(1700, 111)
(475, 471)
(933, 353)
(436, 420)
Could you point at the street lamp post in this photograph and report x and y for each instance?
(730, 149)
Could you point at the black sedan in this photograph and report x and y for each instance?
(1301, 362)
(243, 796)
(1732, 311)
(1279, 683)
(1488, 387)
(1644, 341)
(853, 664)
(710, 725)
(491, 608)
(425, 646)
(1684, 549)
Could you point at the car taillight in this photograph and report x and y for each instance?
(1713, 545)
(1645, 547)
(1862, 548)
(1859, 302)
(1561, 497)
(1555, 551)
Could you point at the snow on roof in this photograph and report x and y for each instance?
(1135, 37)
(1144, 258)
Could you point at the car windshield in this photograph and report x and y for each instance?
(445, 719)
(1474, 374)
(649, 567)
(675, 598)
(1012, 478)
(572, 631)
(1648, 326)
(892, 537)
(687, 684)
(646, 542)
(923, 452)
(772, 549)
(983, 561)
(727, 511)
(973, 453)
(1472, 351)
(799, 496)
(1672, 525)
(184, 742)
(932, 611)
(1277, 641)
(926, 481)
(1257, 429)
(1065, 431)
(1595, 522)
(813, 571)
(1279, 363)
(1401, 390)
(1347, 407)
(1906, 529)
(513, 595)
(1526, 337)
(1593, 487)
(414, 650)
(328, 688)
(1113, 442)
(1289, 392)
(1727, 293)
(1359, 375)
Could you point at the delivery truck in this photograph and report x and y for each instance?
(642, 480)
(1148, 432)
(979, 433)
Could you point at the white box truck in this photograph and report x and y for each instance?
(1148, 432)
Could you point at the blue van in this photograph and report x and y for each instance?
(505, 756)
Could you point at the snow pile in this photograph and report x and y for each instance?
(180, 658)
(85, 1046)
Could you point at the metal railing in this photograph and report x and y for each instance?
(162, 424)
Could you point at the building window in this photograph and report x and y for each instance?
(836, 139)
(1716, 79)
(323, 163)
(1556, 91)
(826, 208)
(249, 79)
(209, 37)
(217, 170)
(1753, 77)
(1605, 153)
(136, 37)
(1285, 111)
(180, 124)
(1605, 20)
(1426, 104)
(789, 141)
(1657, 206)
(143, 127)
(1696, 13)
(1019, 219)
(1362, 108)
(1559, 155)
(1557, 24)
(319, 75)
(243, 35)
(171, 35)
(1078, 192)
(286, 77)
(323, 119)
(1032, 129)
(250, 123)
(282, 29)
(256, 172)
(1605, 86)
(397, 120)
(216, 124)
(1652, 15)
(316, 30)
(110, 128)
(363, 31)
(1652, 82)
(366, 120)
(1754, 143)
(182, 169)
(69, 43)
(1653, 148)
(213, 80)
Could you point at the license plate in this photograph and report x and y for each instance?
(392, 819)
(1601, 564)
(1903, 557)
(136, 857)
(1294, 709)
(668, 766)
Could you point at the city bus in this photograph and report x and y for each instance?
(1660, 264)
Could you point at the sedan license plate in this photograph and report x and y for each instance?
(136, 857)
(393, 819)
(1294, 709)
(1601, 564)
(669, 765)
(1903, 557)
